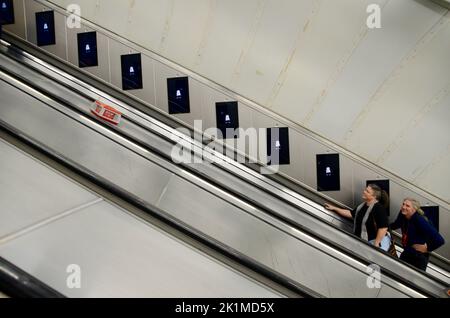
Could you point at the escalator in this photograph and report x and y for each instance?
(53, 227)
(287, 238)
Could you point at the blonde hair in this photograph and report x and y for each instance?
(416, 205)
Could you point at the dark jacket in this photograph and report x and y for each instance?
(417, 230)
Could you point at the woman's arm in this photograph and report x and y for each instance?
(381, 233)
(343, 212)
(381, 222)
(433, 239)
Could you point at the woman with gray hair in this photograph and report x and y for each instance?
(370, 221)
(419, 237)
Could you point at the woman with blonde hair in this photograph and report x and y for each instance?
(419, 237)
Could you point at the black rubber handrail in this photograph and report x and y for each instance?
(16, 283)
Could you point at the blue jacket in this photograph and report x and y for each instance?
(417, 230)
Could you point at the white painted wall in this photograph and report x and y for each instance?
(383, 93)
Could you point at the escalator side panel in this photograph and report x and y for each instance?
(118, 255)
(31, 193)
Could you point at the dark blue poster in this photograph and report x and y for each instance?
(227, 119)
(432, 214)
(131, 71)
(6, 12)
(87, 49)
(278, 146)
(328, 174)
(178, 94)
(45, 28)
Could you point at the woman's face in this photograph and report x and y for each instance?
(368, 194)
(407, 208)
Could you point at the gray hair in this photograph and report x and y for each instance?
(376, 190)
(416, 205)
(380, 194)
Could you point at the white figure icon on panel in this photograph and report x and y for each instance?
(277, 145)
(88, 48)
(328, 171)
(178, 93)
(4, 5)
(131, 70)
(45, 27)
(227, 119)
(73, 16)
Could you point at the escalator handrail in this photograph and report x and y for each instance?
(16, 283)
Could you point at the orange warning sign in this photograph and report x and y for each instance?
(107, 112)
